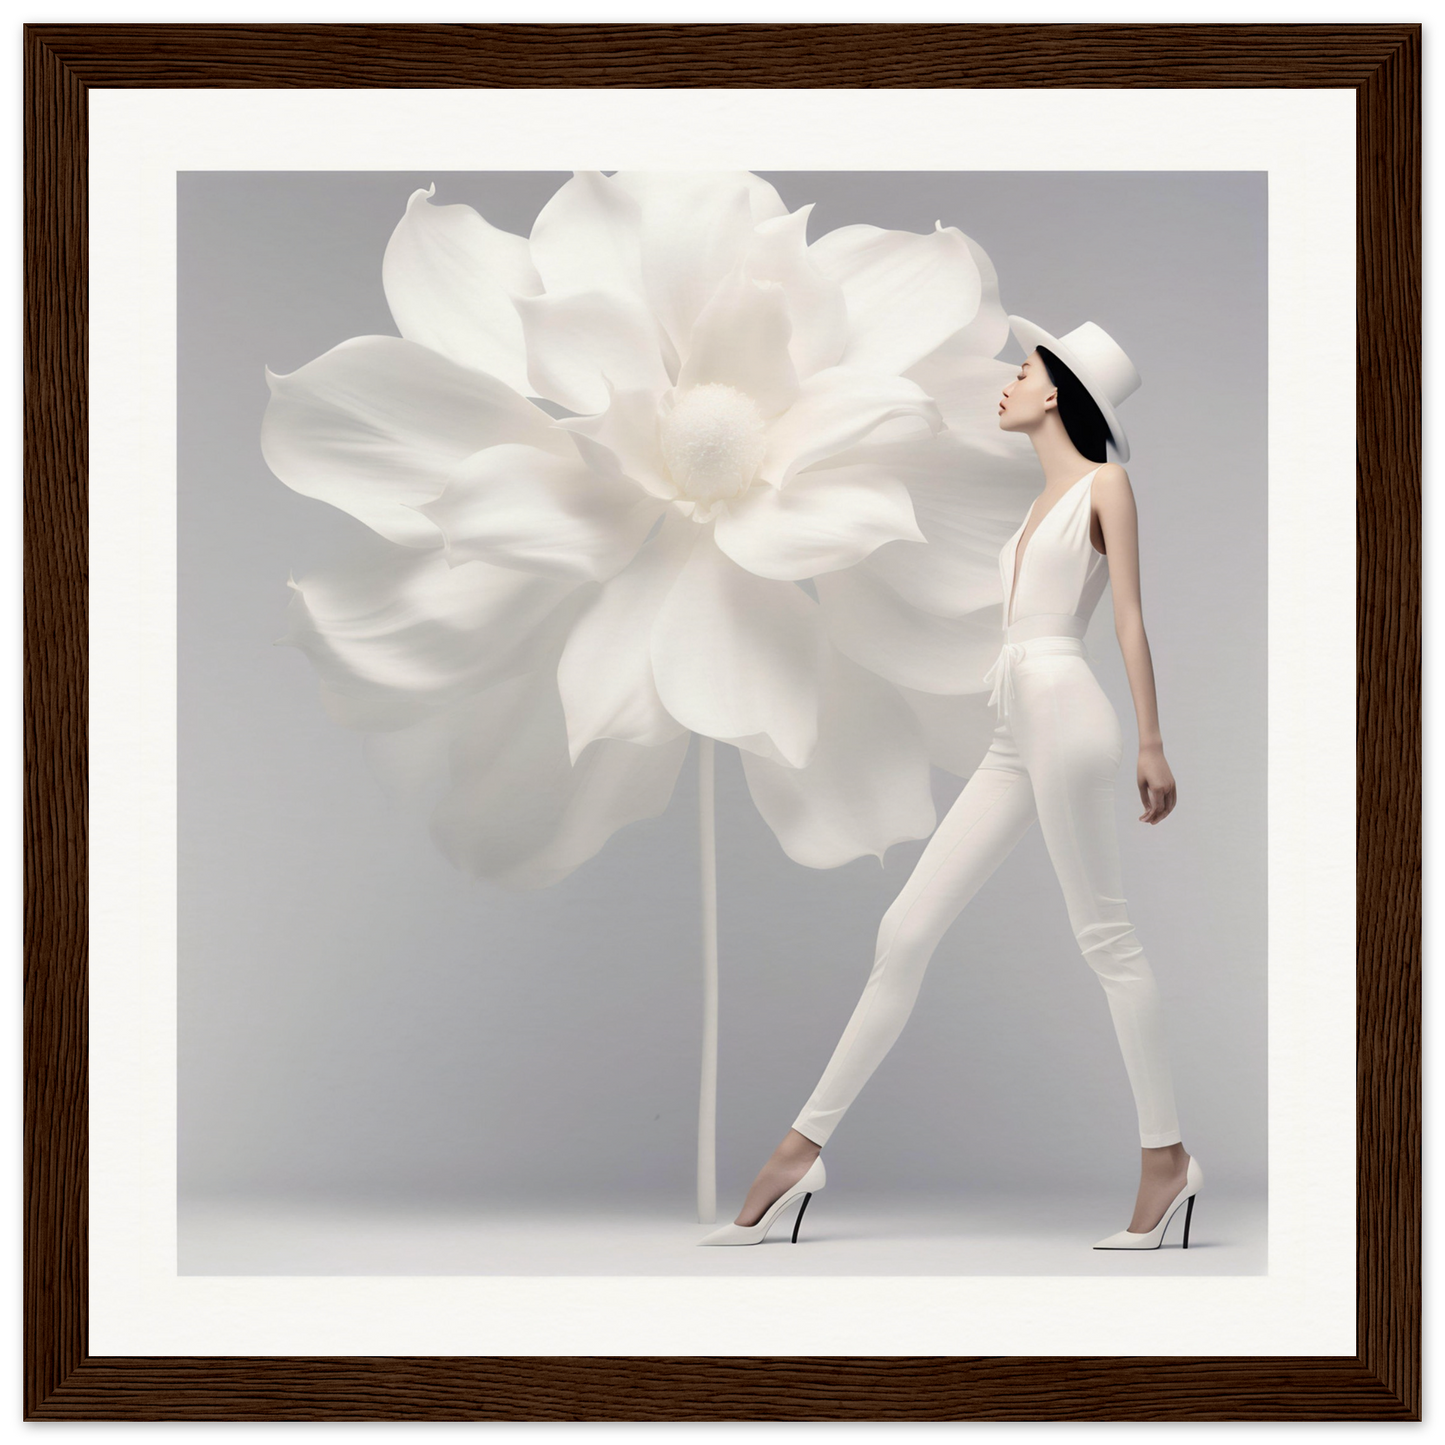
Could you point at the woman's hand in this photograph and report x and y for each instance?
(1156, 784)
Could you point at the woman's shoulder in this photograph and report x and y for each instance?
(1110, 492)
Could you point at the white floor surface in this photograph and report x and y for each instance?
(839, 1235)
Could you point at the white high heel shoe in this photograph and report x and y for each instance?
(1193, 1179)
(811, 1182)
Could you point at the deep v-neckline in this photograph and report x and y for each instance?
(1020, 551)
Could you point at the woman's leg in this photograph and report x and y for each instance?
(994, 810)
(1069, 735)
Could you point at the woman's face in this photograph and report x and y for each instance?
(1027, 397)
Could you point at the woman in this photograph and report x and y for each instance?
(1054, 757)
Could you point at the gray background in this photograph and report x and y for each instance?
(357, 1021)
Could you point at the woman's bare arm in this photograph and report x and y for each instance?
(1119, 520)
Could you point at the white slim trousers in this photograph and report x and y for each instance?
(1054, 756)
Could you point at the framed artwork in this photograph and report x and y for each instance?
(601, 891)
(350, 1097)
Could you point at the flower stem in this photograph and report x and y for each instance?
(707, 1094)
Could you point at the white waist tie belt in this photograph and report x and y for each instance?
(1041, 624)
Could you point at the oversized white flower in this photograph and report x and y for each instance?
(765, 506)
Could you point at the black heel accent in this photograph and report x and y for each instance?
(1188, 1214)
(799, 1219)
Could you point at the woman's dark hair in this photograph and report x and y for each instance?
(1078, 411)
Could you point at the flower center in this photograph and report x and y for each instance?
(712, 442)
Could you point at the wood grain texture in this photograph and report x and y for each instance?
(1382, 65)
(807, 56)
(1387, 740)
(56, 536)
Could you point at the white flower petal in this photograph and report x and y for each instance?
(516, 811)
(984, 335)
(906, 292)
(817, 310)
(835, 409)
(628, 430)
(867, 785)
(396, 636)
(605, 673)
(823, 520)
(411, 764)
(740, 339)
(694, 228)
(616, 783)
(574, 340)
(762, 197)
(968, 389)
(968, 502)
(872, 624)
(374, 425)
(736, 656)
(586, 238)
(449, 277)
(957, 730)
(521, 507)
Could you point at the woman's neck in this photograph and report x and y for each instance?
(1062, 462)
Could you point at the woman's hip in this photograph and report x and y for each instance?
(1057, 713)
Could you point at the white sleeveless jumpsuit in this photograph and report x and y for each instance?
(1054, 756)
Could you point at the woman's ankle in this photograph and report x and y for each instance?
(1166, 1159)
(795, 1148)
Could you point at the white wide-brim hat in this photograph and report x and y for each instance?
(1097, 360)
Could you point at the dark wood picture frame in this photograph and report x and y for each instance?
(1382, 64)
